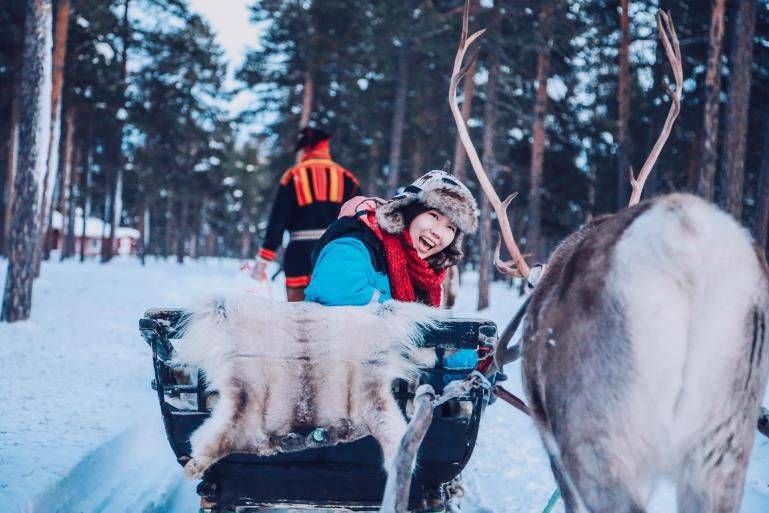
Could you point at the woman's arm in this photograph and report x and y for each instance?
(343, 275)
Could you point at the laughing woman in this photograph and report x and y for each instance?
(399, 249)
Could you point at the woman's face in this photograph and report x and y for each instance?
(431, 232)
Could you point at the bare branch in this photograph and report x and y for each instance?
(517, 266)
(669, 39)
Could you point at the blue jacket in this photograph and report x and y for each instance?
(350, 270)
(343, 275)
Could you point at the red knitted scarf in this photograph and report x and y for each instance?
(407, 271)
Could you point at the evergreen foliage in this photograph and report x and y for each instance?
(207, 179)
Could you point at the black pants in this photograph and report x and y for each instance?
(296, 263)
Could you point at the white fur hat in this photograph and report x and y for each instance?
(438, 190)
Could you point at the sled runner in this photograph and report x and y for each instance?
(347, 475)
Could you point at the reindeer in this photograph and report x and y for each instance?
(644, 342)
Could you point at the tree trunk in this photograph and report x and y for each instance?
(372, 170)
(695, 160)
(623, 97)
(489, 161)
(418, 156)
(740, 62)
(245, 243)
(105, 215)
(115, 213)
(52, 171)
(12, 160)
(460, 157)
(117, 188)
(87, 186)
(399, 107)
(182, 232)
(74, 194)
(533, 235)
(709, 159)
(168, 225)
(144, 229)
(34, 130)
(66, 183)
(308, 96)
(762, 197)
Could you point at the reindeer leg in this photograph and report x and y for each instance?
(713, 476)
(567, 494)
(386, 424)
(598, 483)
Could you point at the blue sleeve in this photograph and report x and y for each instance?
(462, 359)
(343, 275)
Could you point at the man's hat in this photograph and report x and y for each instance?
(309, 137)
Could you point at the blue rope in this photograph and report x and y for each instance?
(553, 500)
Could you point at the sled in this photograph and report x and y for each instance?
(344, 476)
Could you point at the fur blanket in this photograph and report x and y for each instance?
(281, 367)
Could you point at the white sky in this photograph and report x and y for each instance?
(235, 32)
(230, 19)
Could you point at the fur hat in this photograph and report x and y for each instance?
(443, 192)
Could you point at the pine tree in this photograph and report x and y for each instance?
(34, 126)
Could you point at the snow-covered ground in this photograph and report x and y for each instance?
(80, 429)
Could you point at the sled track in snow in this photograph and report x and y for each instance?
(134, 471)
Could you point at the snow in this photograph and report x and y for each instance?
(80, 428)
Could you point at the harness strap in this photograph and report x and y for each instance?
(511, 399)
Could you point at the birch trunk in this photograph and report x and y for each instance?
(52, 171)
(13, 150)
(709, 159)
(116, 203)
(740, 62)
(534, 232)
(34, 138)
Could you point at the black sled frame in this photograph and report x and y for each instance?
(346, 476)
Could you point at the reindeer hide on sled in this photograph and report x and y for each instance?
(281, 367)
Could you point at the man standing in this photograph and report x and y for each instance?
(309, 197)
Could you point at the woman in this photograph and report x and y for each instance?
(399, 249)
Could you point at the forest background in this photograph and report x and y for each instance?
(564, 98)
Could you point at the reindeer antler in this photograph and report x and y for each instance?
(667, 34)
(517, 266)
